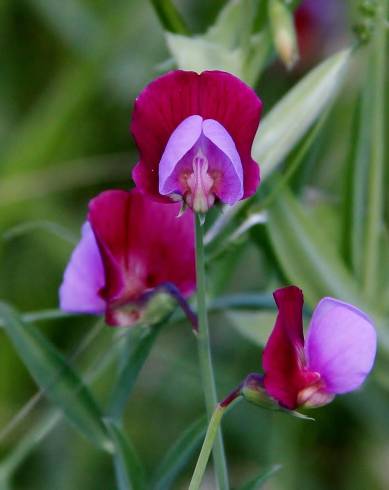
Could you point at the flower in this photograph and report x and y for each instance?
(194, 133)
(130, 246)
(319, 24)
(338, 354)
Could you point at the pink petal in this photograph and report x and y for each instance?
(283, 361)
(170, 99)
(231, 189)
(143, 244)
(83, 277)
(180, 142)
(341, 345)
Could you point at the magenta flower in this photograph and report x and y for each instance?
(130, 246)
(338, 354)
(194, 134)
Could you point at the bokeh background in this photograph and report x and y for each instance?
(69, 74)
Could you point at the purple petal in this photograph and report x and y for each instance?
(341, 345)
(83, 277)
(180, 142)
(231, 188)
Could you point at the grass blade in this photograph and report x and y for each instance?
(261, 479)
(56, 378)
(128, 469)
(306, 255)
(375, 197)
(290, 119)
(179, 455)
(140, 343)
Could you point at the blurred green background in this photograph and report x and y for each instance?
(69, 74)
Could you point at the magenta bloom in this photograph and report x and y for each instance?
(129, 246)
(194, 134)
(338, 354)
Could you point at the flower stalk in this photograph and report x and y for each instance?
(212, 431)
(207, 375)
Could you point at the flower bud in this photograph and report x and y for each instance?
(254, 392)
(284, 34)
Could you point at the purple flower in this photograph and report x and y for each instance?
(194, 134)
(337, 356)
(130, 246)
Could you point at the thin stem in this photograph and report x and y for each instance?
(375, 189)
(212, 431)
(205, 360)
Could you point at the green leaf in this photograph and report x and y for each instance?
(228, 45)
(140, 343)
(355, 193)
(49, 226)
(290, 119)
(179, 455)
(242, 301)
(309, 259)
(376, 74)
(56, 378)
(169, 16)
(254, 326)
(128, 468)
(288, 122)
(261, 479)
(306, 255)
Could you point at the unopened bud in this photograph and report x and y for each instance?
(284, 33)
(254, 392)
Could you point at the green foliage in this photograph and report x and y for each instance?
(230, 44)
(179, 454)
(128, 469)
(258, 482)
(56, 378)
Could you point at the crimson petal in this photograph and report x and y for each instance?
(170, 99)
(283, 357)
(143, 244)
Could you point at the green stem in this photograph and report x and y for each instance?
(205, 360)
(375, 189)
(212, 431)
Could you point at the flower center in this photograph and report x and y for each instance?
(200, 164)
(199, 183)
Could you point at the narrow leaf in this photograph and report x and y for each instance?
(355, 195)
(139, 347)
(375, 195)
(179, 455)
(289, 120)
(39, 225)
(128, 469)
(169, 16)
(258, 482)
(228, 44)
(56, 378)
(307, 256)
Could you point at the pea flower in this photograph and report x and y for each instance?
(194, 133)
(338, 354)
(130, 247)
(319, 25)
